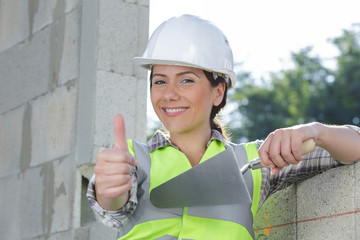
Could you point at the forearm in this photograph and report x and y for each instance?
(342, 142)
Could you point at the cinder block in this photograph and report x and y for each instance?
(357, 186)
(45, 12)
(331, 192)
(64, 178)
(357, 227)
(327, 195)
(35, 206)
(143, 2)
(68, 235)
(41, 14)
(276, 218)
(61, 236)
(64, 49)
(115, 94)
(287, 232)
(55, 236)
(82, 215)
(11, 138)
(24, 71)
(143, 29)
(130, 1)
(69, 67)
(52, 124)
(100, 231)
(357, 200)
(72, 4)
(141, 109)
(14, 23)
(82, 233)
(341, 227)
(38, 238)
(10, 215)
(119, 37)
(46, 194)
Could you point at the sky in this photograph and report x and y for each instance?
(263, 33)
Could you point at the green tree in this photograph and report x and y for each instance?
(307, 92)
(343, 94)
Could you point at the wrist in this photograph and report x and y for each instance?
(319, 130)
(113, 204)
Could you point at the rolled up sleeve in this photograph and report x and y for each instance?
(113, 219)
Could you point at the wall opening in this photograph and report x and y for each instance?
(87, 216)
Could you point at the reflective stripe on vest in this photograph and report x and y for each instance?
(207, 222)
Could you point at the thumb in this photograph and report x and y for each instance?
(119, 131)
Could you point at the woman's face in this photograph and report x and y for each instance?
(182, 98)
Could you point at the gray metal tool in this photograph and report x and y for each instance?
(216, 181)
(307, 147)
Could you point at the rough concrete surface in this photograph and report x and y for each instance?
(43, 56)
(272, 220)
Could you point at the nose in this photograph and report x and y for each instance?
(171, 93)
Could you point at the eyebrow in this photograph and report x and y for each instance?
(178, 74)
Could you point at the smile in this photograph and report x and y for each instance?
(174, 110)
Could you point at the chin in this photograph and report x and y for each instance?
(176, 129)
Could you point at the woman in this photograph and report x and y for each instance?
(191, 67)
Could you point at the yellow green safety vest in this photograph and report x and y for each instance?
(231, 221)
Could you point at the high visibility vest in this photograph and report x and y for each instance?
(230, 221)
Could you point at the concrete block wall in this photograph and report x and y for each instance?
(65, 71)
(325, 206)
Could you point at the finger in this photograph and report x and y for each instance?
(264, 152)
(275, 170)
(119, 131)
(296, 148)
(275, 151)
(115, 191)
(104, 182)
(116, 155)
(113, 169)
(286, 148)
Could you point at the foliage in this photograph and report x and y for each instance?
(307, 92)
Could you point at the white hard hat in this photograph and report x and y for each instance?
(189, 41)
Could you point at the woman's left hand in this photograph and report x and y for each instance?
(283, 146)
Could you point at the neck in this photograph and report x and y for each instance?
(192, 144)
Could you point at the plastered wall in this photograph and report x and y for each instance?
(65, 71)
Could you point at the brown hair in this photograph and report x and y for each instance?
(215, 122)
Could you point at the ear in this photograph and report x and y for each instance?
(219, 91)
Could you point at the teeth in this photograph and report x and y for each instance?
(174, 110)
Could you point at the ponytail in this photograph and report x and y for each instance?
(215, 122)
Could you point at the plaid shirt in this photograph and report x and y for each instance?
(312, 164)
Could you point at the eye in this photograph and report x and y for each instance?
(158, 82)
(187, 80)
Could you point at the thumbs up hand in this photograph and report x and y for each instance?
(113, 171)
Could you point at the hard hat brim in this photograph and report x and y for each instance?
(149, 62)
